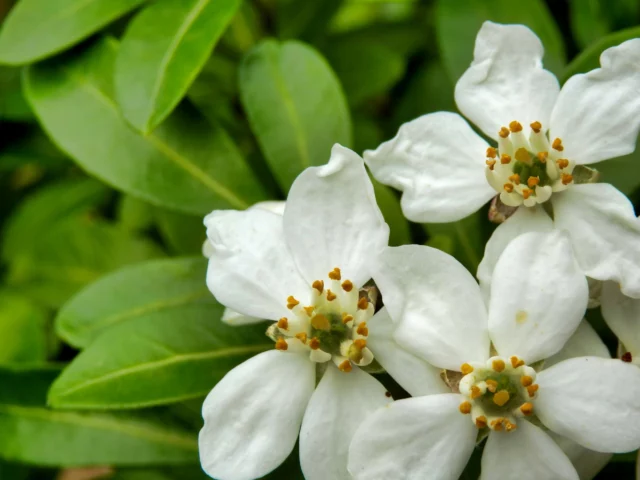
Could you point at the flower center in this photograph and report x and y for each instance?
(333, 327)
(527, 171)
(498, 392)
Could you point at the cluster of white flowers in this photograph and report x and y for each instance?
(509, 360)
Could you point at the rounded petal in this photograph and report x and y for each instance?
(436, 304)
(596, 115)
(585, 342)
(332, 219)
(231, 317)
(593, 401)
(339, 405)
(413, 439)
(533, 219)
(250, 268)
(412, 373)
(506, 81)
(538, 296)
(604, 231)
(274, 206)
(526, 453)
(438, 162)
(622, 314)
(586, 462)
(252, 416)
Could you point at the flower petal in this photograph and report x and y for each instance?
(413, 438)
(339, 405)
(412, 373)
(250, 268)
(526, 453)
(604, 231)
(252, 416)
(436, 304)
(585, 342)
(622, 314)
(506, 81)
(438, 162)
(536, 283)
(586, 462)
(231, 317)
(593, 401)
(596, 115)
(533, 219)
(332, 219)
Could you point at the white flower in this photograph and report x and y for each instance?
(304, 270)
(494, 355)
(447, 171)
(622, 314)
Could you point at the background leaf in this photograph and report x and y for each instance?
(23, 330)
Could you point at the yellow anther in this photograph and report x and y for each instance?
(335, 274)
(491, 164)
(522, 155)
(347, 286)
(360, 343)
(363, 303)
(362, 329)
(346, 318)
(491, 152)
(498, 365)
(526, 380)
(505, 159)
(526, 409)
(515, 126)
(526, 193)
(533, 181)
(481, 421)
(508, 187)
(466, 369)
(281, 344)
(292, 302)
(532, 389)
(314, 343)
(330, 295)
(320, 322)
(283, 323)
(542, 156)
(501, 397)
(318, 285)
(497, 424)
(310, 309)
(504, 132)
(302, 337)
(515, 178)
(345, 366)
(509, 426)
(557, 145)
(562, 163)
(475, 392)
(516, 362)
(536, 126)
(465, 407)
(492, 385)
(567, 179)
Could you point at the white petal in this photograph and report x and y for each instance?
(586, 462)
(585, 342)
(538, 296)
(506, 81)
(524, 220)
(251, 269)
(273, 206)
(337, 408)
(252, 416)
(231, 317)
(596, 115)
(436, 303)
(622, 314)
(438, 162)
(526, 453)
(592, 401)
(412, 373)
(332, 219)
(422, 437)
(604, 232)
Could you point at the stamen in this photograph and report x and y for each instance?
(362, 329)
(347, 286)
(481, 421)
(522, 155)
(466, 369)
(302, 337)
(532, 389)
(526, 380)
(509, 426)
(309, 310)
(492, 385)
(360, 343)
(335, 274)
(363, 303)
(345, 366)
(318, 285)
(465, 408)
(314, 343)
(475, 392)
(542, 156)
(508, 187)
(491, 164)
(281, 344)
(567, 179)
(501, 398)
(504, 132)
(491, 152)
(536, 126)
(533, 181)
(562, 163)
(515, 126)
(526, 193)
(515, 178)
(498, 365)
(516, 362)
(497, 424)
(526, 409)
(626, 357)
(283, 323)
(320, 322)
(331, 296)
(292, 302)
(346, 318)
(505, 159)
(557, 145)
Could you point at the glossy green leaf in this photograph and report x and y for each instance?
(13, 106)
(161, 53)
(458, 23)
(589, 21)
(161, 356)
(304, 19)
(36, 29)
(27, 385)
(23, 330)
(183, 234)
(186, 164)
(132, 292)
(134, 214)
(295, 106)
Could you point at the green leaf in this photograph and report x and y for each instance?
(23, 330)
(161, 53)
(303, 19)
(161, 356)
(390, 207)
(622, 172)
(13, 106)
(27, 385)
(187, 163)
(118, 297)
(134, 214)
(183, 234)
(589, 21)
(458, 23)
(35, 29)
(295, 107)
(165, 473)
